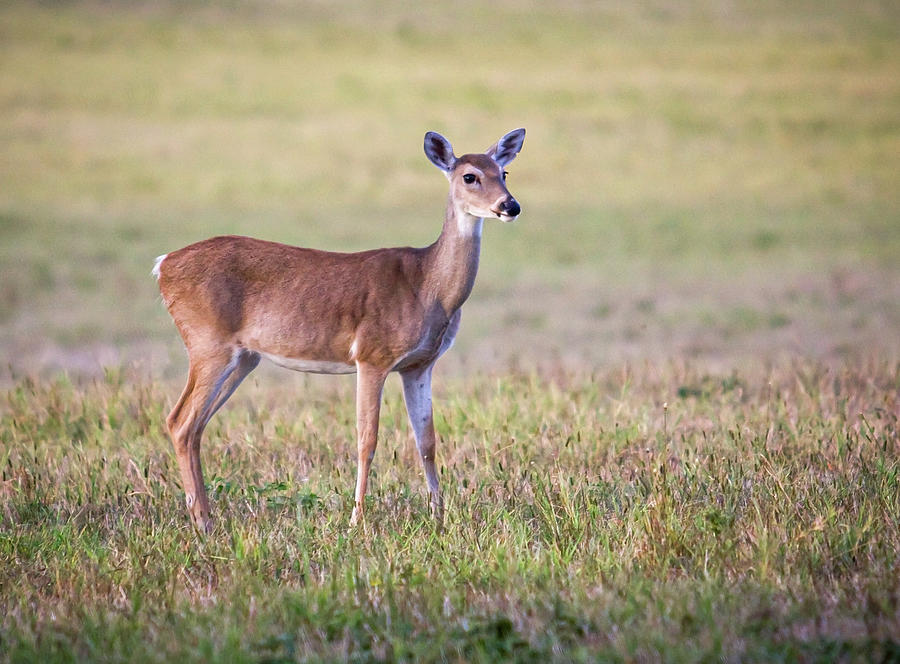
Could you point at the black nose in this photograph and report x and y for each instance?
(511, 207)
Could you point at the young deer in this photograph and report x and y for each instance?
(237, 299)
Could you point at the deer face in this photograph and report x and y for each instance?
(478, 181)
(478, 188)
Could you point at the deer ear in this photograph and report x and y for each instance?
(506, 149)
(439, 151)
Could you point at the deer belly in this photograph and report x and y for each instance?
(310, 366)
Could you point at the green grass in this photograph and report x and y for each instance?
(628, 515)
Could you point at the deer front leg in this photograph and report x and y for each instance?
(369, 387)
(417, 394)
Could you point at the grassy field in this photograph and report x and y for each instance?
(668, 429)
(626, 516)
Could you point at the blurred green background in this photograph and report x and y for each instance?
(706, 182)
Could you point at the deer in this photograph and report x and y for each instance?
(236, 300)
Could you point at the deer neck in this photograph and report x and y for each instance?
(453, 259)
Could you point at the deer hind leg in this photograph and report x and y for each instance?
(369, 388)
(211, 380)
(417, 394)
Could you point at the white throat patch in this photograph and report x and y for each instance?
(469, 226)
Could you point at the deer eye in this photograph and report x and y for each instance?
(504, 175)
(468, 178)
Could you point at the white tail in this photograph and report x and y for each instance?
(155, 270)
(237, 299)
